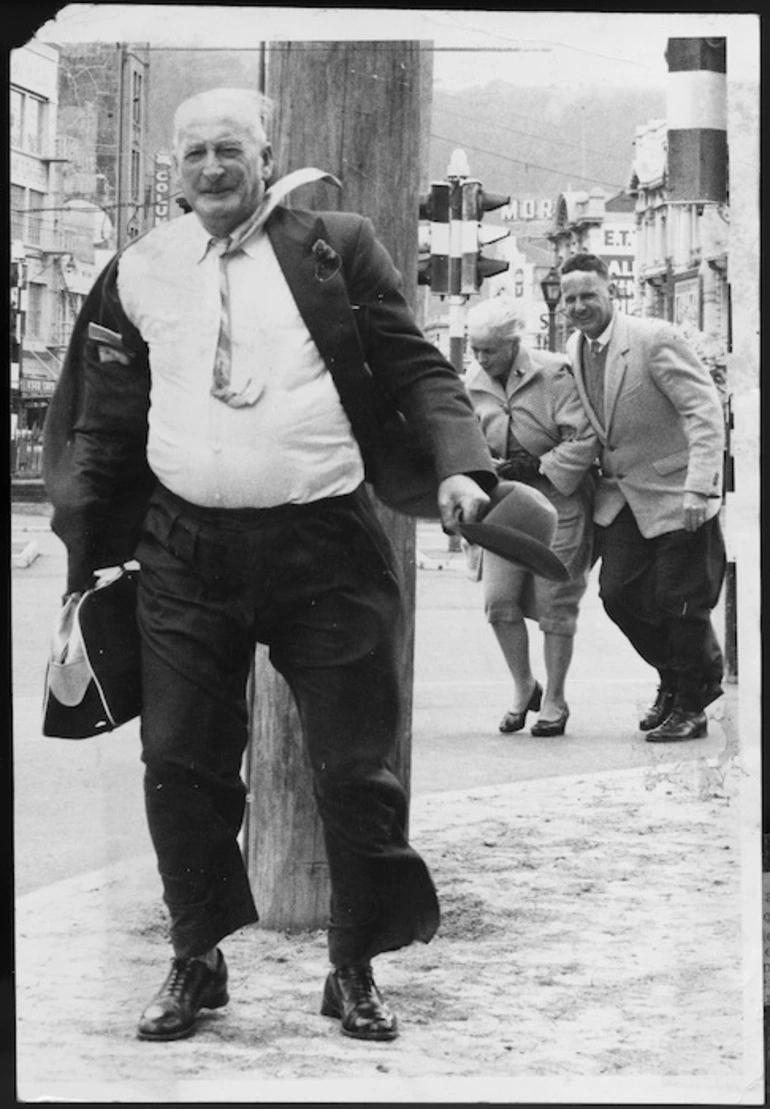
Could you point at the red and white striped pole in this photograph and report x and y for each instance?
(696, 117)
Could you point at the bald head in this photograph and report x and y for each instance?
(246, 107)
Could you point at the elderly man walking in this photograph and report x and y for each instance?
(659, 420)
(211, 422)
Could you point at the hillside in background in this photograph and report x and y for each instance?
(522, 141)
(536, 141)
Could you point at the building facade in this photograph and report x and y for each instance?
(36, 246)
(593, 223)
(103, 124)
(79, 190)
(680, 186)
(529, 260)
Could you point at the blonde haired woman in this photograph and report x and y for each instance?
(538, 433)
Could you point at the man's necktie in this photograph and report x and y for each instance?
(227, 248)
(223, 359)
(593, 366)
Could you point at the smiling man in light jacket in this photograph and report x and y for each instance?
(659, 420)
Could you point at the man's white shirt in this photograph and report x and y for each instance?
(295, 444)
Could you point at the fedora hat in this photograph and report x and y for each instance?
(520, 527)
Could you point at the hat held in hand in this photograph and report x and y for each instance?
(520, 527)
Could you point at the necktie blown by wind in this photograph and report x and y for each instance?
(227, 248)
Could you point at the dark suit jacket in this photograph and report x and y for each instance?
(349, 295)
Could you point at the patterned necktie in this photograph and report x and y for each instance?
(223, 359)
(226, 249)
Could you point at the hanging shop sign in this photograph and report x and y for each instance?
(161, 187)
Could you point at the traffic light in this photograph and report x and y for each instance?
(433, 238)
(475, 267)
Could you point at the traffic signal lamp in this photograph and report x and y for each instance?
(433, 238)
(450, 243)
(475, 267)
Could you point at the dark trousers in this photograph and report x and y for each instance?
(660, 593)
(316, 583)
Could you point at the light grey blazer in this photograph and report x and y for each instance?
(662, 428)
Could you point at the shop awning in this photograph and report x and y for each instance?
(39, 374)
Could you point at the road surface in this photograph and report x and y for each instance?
(78, 805)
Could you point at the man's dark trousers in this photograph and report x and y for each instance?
(317, 584)
(660, 592)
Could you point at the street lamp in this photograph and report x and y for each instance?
(551, 286)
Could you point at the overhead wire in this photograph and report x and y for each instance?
(529, 162)
(516, 131)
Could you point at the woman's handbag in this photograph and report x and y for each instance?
(93, 677)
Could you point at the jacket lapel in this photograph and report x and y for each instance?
(616, 365)
(314, 274)
(292, 235)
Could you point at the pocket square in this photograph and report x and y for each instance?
(327, 260)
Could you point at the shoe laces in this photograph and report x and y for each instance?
(178, 978)
(360, 981)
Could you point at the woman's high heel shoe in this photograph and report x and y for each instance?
(514, 721)
(551, 727)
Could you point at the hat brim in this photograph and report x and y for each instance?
(517, 547)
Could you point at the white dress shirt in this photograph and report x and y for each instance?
(295, 444)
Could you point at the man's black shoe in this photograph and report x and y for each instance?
(678, 726)
(351, 996)
(190, 987)
(658, 711)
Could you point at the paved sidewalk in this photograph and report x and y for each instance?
(592, 949)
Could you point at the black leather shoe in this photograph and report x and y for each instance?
(658, 710)
(679, 725)
(550, 727)
(514, 721)
(351, 996)
(190, 987)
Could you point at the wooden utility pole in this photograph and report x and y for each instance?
(358, 110)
